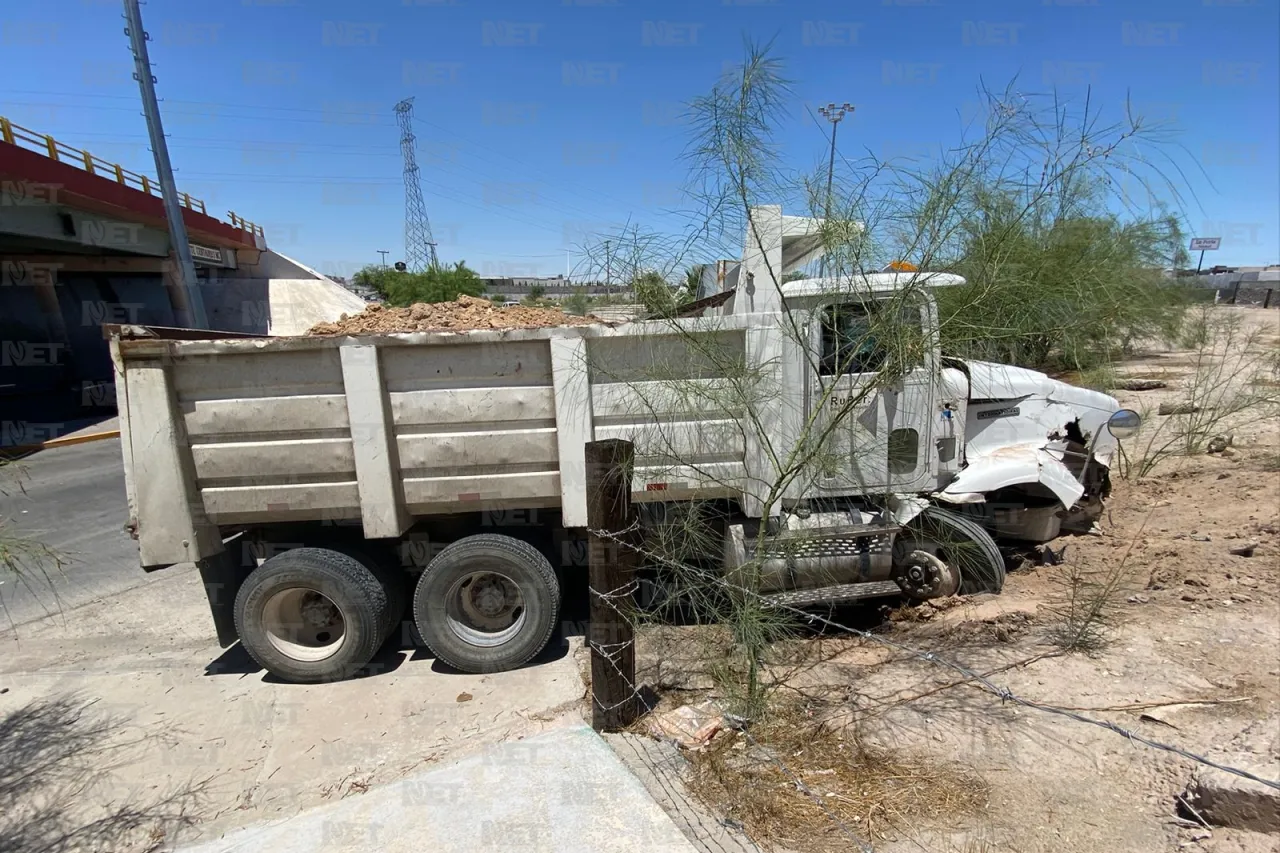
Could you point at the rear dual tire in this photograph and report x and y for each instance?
(312, 615)
(486, 603)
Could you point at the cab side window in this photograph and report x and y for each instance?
(867, 337)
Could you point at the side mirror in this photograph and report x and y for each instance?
(1124, 423)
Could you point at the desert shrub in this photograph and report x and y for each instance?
(1061, 285)
(438, 284)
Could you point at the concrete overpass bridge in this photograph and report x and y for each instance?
(84, 242)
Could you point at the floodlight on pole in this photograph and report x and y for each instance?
(834, 114)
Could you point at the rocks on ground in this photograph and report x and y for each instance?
(463, 314)
(1135, 384)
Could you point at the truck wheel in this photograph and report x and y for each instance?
(311, 615)
(960, 543)
(393, 582)
(487, 603)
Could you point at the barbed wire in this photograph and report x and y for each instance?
(625, 591)
(1005, 694)
(636, 694)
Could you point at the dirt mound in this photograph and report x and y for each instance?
(464, 313)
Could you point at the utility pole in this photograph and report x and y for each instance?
(608, 269)
(384, 254)
(186, 273)
(833, 114)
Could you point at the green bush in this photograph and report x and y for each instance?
(438, 284)
(1059, 288)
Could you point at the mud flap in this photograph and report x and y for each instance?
(221, 576)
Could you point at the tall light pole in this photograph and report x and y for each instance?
(834, 114)
(164, 169)
(384, 253)
(608, 269)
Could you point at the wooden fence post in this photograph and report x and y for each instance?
(611, 571)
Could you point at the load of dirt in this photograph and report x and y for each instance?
(463, 314)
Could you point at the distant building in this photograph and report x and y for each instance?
(1236, 285)
(516, 288)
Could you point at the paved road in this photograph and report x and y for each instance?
(72, 500)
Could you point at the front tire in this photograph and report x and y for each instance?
(487, 603)
(959, 542)
(311, 615)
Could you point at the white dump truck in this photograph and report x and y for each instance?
(318, 481)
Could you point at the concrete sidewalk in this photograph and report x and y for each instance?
(559, 792)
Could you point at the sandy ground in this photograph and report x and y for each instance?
(183, 733)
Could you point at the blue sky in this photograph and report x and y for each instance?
(544, 120)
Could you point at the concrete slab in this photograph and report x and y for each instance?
(104, 429)
(1225, 799)
(560, 792)
(297, 304)
(147, 659)
(660, 768)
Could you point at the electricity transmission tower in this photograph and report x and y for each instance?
(419, 246)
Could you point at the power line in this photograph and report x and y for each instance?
(594, 197)
(183, 112)
(689, 219)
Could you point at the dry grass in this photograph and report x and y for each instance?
(872, 791)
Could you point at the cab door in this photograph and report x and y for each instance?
(874, 396)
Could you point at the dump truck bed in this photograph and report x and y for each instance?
(384, 429)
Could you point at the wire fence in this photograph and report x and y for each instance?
(619, 602)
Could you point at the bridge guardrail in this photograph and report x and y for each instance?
(43, 143)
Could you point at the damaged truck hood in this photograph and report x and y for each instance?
(1016, 430)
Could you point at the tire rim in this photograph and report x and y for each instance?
(485, 608)
(962, 555)
(304, 624)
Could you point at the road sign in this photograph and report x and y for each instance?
(1203, 244)
(206, 254)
